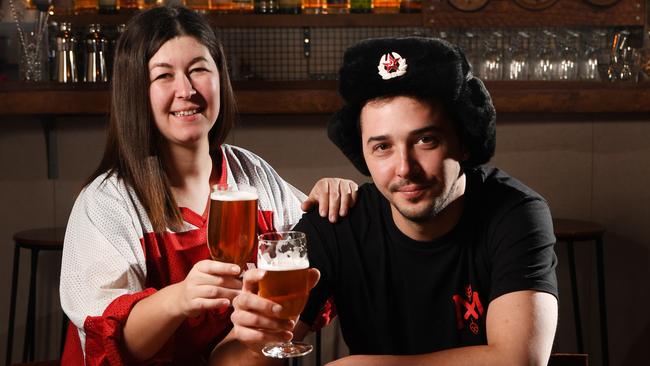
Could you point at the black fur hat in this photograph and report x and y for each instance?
(424, 68)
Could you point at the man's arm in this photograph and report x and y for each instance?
(520, 331)
(256, 323)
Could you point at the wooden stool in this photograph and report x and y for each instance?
(570, 231)
(47, 239)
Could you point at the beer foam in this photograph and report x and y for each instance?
(284, 262)
(233, 196)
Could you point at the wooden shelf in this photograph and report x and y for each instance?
(320, 97)
(268, 21)
(563, 13)
(436, 13)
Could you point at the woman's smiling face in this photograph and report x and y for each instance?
(184, 90)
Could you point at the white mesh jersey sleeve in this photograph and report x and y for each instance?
(102, 254)
(275, 194)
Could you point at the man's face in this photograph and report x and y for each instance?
(413, 154)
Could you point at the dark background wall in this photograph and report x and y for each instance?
(588, 167)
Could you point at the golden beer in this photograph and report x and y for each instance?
(283, 255)
(232, 221)
(312, 6)
(287, 288)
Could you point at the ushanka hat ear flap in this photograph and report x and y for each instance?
(423, 68)
(343, 130)
(475, 113)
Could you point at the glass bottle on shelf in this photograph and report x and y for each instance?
(266, 6)
(241, 7)
(66, 63)
(146, 4)
(289, 6)
(129, 5)
(107, 6)
(385, 6)
(95, 52)
(221, 6)
(85, 6)
(410, 6)
(360, 6)
(337, 6)
(62, 7)
(201, 6)
(616, 56)
(631, 64)
(312, 6)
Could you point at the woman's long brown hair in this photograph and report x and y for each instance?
(133, 144)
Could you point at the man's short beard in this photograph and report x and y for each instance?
(439, 204)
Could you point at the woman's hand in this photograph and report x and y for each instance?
(334, 196)
(256, 320)
(209, 285)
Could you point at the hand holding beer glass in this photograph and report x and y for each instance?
(283, 255)
(232, 221)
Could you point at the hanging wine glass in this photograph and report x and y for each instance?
(589, 55)
(545, 64)
(518, 64)
(567, 66)
(492, 60)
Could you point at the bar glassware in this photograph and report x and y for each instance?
(283, 255)
(232, 224)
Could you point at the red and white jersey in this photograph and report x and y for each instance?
(112, 259)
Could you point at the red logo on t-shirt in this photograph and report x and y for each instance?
(470, 309)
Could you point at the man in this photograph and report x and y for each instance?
(442, 261)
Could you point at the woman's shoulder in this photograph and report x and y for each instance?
(109, 196)
(107, 183)
(108, 189)
(245, 162)
(242, 154)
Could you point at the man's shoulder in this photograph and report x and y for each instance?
(368, 205)
(494, 195)
(494, 184)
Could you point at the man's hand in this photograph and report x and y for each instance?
(334, 197)
(255, 319)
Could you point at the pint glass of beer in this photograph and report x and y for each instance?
(232, 220)
(283, 255)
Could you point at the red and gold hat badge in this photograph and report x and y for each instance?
(391, 65)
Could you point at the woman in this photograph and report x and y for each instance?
(136, 281)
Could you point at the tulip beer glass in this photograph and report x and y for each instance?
(283, 255)
(232, 223)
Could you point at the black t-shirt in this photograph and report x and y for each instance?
(395, 295)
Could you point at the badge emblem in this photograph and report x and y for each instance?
(391, 65)
(470, 309)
